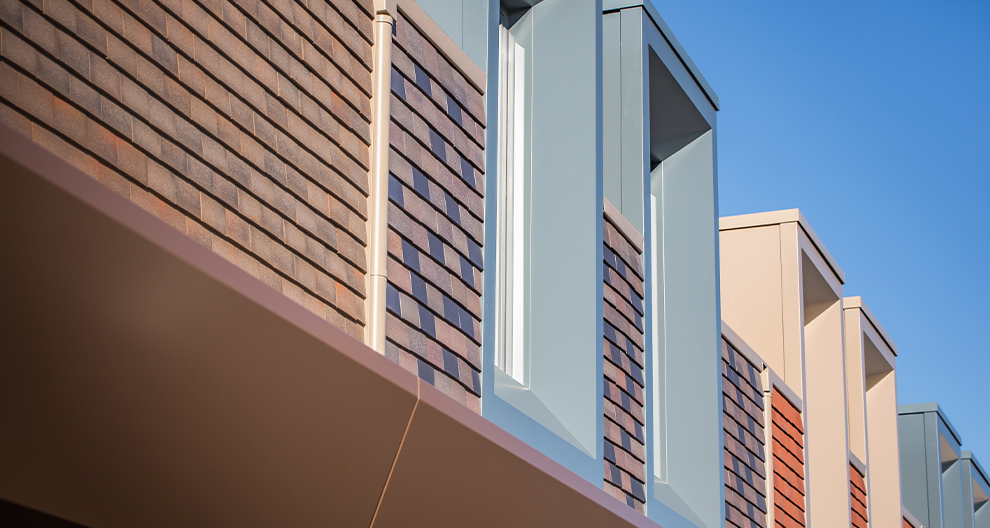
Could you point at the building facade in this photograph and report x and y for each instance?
(397, 262)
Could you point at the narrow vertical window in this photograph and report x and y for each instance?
(513, 217)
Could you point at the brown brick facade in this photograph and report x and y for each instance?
(625, 440)
(788, 463)
(857, 498)
(745, 441)
(436, 218)
(244, 124)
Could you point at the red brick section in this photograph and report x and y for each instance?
(625, 441)
(907, 524)
(436, 219)
(245, 124)
(745, 441)
(857, 498)
(788, 463)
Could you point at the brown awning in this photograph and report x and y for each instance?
(145, 381)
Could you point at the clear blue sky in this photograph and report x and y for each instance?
(873, 118)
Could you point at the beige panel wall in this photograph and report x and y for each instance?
(750, 267)
(883, 452)
(856, 384)
(825, 392)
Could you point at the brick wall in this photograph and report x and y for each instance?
(244, 124)
(788, 463)
(745, 441)
(436, 219)
(857, 498)
(625, 441)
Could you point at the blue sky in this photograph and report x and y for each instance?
(872, 118)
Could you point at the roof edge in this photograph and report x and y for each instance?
(918, 408)
(651, 11)
(858, 303)
(911, 519)
(742, 347)
(968, 455)
(728, 223)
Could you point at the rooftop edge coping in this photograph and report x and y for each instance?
(855, 302)
(968, 455)
(658, 21)
(786, 216)
(742, 347)
(911, 519)
(856, 463)
(624, 226)
(774, 381)
(919, 408)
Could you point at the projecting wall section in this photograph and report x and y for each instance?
(245, 124)
(435, 217)
(745, 441)
(625, 441)
(857, 498)
(788, 463)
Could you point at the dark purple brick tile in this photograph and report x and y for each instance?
(418, 286)
(454, 110)
(423, 80)
(450, 363)
(427, 322)
(437, 145)
(410, 256)
(392, 299)
(436, 247)
(398, 84)
(395, 190)
(453, 209)
(474, 252)
(425, 371)
(467, 172)
(467, 272)
(451, 312)
(420, 184)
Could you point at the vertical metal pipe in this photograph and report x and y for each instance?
(378, 199)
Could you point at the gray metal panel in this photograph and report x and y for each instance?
(565, 325)
(914, 467)
(566, 209)
(933, 464)
(635, 166)
(661, 26)
(691, 329)
(982, 517)
(612, 110)
(954, 496)
(687, 489)
(968, 511)
(930, 407)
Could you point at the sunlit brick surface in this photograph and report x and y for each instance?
(244, 124)
(625, 440)
(436, 219)
(745, 441)
(857, 498)
(788, 467)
